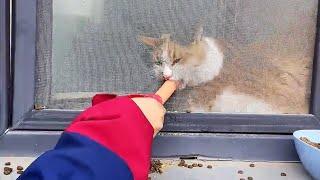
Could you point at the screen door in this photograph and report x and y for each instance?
(91, 46)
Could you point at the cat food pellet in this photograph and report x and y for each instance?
(250, 178)
(181, 163)
(156, 166)
(7, 170)
(242, 179)
(240, 172)
(19, 172)
(200, 165)
(283, 174)
(185, 165)
(190, 166)
(194, 165)
(209, 166)
(19, 168)
(251, 165)
(188, 111)
(7, 163)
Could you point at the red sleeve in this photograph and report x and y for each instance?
(118, 124)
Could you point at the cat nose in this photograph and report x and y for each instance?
(166, 77)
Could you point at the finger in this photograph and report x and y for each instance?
(166, 90)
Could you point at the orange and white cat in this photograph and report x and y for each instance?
(241, 84)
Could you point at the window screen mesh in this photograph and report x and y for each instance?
(90, 46)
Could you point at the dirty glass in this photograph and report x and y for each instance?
(91, 46)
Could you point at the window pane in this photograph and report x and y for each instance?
(91, 46)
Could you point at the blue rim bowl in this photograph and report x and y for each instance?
(309, 155)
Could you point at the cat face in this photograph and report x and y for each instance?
(169, 57)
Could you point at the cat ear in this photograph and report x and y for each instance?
(198, 33)
(165, 38)
(149, 41)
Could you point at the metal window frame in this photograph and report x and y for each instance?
(4, 64)
(259, 147)
(26, 117)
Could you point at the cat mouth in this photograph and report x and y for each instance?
(167, 77)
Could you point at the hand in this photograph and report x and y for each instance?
(153, 110)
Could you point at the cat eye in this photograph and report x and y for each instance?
(176, 61)
(159, 62)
